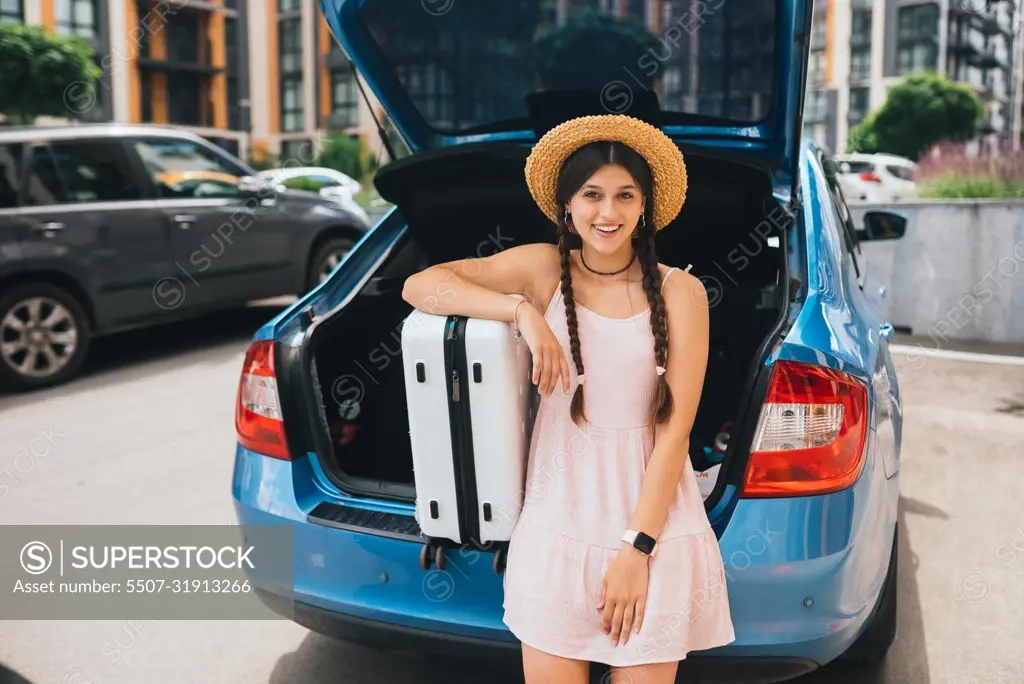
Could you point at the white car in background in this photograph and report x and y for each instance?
(876, 177)
(335, 185)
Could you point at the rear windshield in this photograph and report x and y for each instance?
(467, 65)
(860, 167)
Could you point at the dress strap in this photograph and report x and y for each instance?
(669, 275)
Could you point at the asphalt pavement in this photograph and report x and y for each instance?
(146, 436)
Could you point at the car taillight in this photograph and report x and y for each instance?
(871, 177)
(258, 412)
(811, 434)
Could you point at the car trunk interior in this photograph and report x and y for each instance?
(472, 201)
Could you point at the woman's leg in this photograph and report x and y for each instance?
(543, 668)
(655, 673)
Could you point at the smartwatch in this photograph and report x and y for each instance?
(643, 543)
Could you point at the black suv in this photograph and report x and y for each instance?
(108, 227)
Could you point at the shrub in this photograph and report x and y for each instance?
(343, 153)
(948, 172)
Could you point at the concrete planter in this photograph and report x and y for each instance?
(958, 273)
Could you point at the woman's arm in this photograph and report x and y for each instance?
(480, 288)
(687, 313)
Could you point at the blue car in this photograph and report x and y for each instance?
(801, 414)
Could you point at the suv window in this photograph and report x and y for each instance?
(902, 172)
(77, 171)
(182, 168)
(860, 166)
(10, 174)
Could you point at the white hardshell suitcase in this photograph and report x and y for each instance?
(471, 405)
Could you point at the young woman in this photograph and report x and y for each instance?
(613, 559)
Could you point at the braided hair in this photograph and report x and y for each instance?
(582, 164)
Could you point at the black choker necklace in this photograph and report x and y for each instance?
(603, 272)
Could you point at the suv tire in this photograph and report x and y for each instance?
(44, 336)
(326, 258)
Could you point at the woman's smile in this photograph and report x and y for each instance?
(607, 229)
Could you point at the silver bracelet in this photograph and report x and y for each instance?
(515, 321)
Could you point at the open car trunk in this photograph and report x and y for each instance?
(472, 201)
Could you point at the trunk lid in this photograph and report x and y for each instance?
(455, 71)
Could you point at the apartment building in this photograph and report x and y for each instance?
(255, 76)
(860, 48)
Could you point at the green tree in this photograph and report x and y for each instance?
(919, 112)
(343, 153)
(45, 75)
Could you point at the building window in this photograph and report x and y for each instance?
(862, 24)
(816, 107)
(917, 38)
(860, 45)
(819, 31)
(860, 64)
(184, 107)
(231, 73)
(291, 103)
(290, 58)
(76, 17)
(289, 6)
(10, 11)
(344, 99)
(183, 36)
(816, 67)
(858, 105)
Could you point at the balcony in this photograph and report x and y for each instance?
(984, 59)
(992, 26)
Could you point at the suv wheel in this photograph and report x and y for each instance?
(44, 336)
(326, 259)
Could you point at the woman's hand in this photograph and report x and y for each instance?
(624, 594)
(549, 362)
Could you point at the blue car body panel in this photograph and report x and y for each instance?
(804, 573)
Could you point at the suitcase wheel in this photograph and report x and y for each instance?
(432, 553)
(499, 561)
(425, 557)
(439, 558)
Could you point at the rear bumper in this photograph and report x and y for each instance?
(802, 575)
(386, 636)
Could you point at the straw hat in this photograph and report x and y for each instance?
(662, 155)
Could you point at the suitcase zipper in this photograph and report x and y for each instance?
(461, 432)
